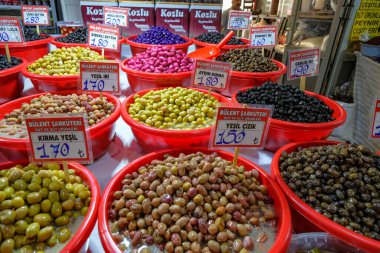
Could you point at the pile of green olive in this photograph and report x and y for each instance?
(63, 61)
(174, 108)
(37, 204)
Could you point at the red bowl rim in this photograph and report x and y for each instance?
(162, 132)
(64, 44)
(103, 227)
(342, 115)
(279, 72)
(14, 69)
(153, 75)
(323, 222)
(228, 47)
(88, 223)
(93, 129)
(128, 40)
(29, 43)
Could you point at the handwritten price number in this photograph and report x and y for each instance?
(32, 20)
(55, 150)
(237, 23)
(258, 42)
(210, 81)
(99, 42)
(301, 70)
(113, 21)
(4, 37)
(230, 136)
(96, 84)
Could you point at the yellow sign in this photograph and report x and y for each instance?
(367, 21)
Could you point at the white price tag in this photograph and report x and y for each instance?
(100, 76)
(211, 74)
(35, 15)
(239, 20)
(116, 16)
(103, 36)
(303, 63)
(59, 137)
(241, 127)
(264, 36)
(10, 30)
(375, 131)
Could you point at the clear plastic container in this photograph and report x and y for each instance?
(322, 241)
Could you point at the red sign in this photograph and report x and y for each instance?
(211, 74)
(375, 131)
(140, 17)
(204, 18)
(10, 30)
(58, 137)
(35, 15)
(304, 62)
(99, 76)
(241, 127)
(116, 16)
(173, 16)
(263, 36)
(103, 36)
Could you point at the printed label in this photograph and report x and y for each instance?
(375, 131)
(35, 15)
(303, 63)
(239, 20)
(264, 36)
(211, 74)
(103, 36)
(10, 30)
(116, 16)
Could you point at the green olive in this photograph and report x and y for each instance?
(46, 205)
(63, 235)
(56, 209)
(43, 219)
(20, 227)
(34, 210)
(7, 246)
(32, 230)
(19, 241)
(34, 198)
(62, 220)
(18, 202)
(21, 212)
(52, 240)
(7, 216)
(27, 249)
(7, 231)
(45, 233)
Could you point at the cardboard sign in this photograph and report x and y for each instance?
(241, 127)
(211, 74)
(59, 137)
(35, 15)
(10, 30)
(103, 36)
(375, 131)
(239, 20)
(303, 63)
(116, 16)
(367, 22)
(263, 36)
(99, 76)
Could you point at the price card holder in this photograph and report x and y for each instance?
(263, 36)
(35, 15)
(59, 137)
(303, 63)
(10, 30)
(375, 130)
(115, 16)
(211, 74)
(103, 36)
(241, 127)
(239, 20)
(99, 76)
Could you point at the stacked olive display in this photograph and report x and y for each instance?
(39, 207)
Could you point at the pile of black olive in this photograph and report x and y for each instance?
(342, 182)
(248, 60)
(215, 38)
(290, 103)
(77, 37)
(4, 64)
(31, 35)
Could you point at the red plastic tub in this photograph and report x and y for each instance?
(140, 47)
(151, 138)
(109, 54)
(30, 51)
(240, 80)
(280, 204)
(224, 49)
(139, 80)
(283, 132)
(84, 231)
(11, 82)
(308, 220)
(101, 134)
(44, 83)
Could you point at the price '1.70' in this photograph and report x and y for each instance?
(53, 151)
(97, 85)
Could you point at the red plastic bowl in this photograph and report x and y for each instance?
(283, 132)
(139, 80)
(140, 47)
(224, 49)
(240, 80)
(11, 82)
(109, 54)
(45, 83)
(309, 219)
(151, 138)
(84, 231)
(101, 134)
(30, 51)
(280, 204)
